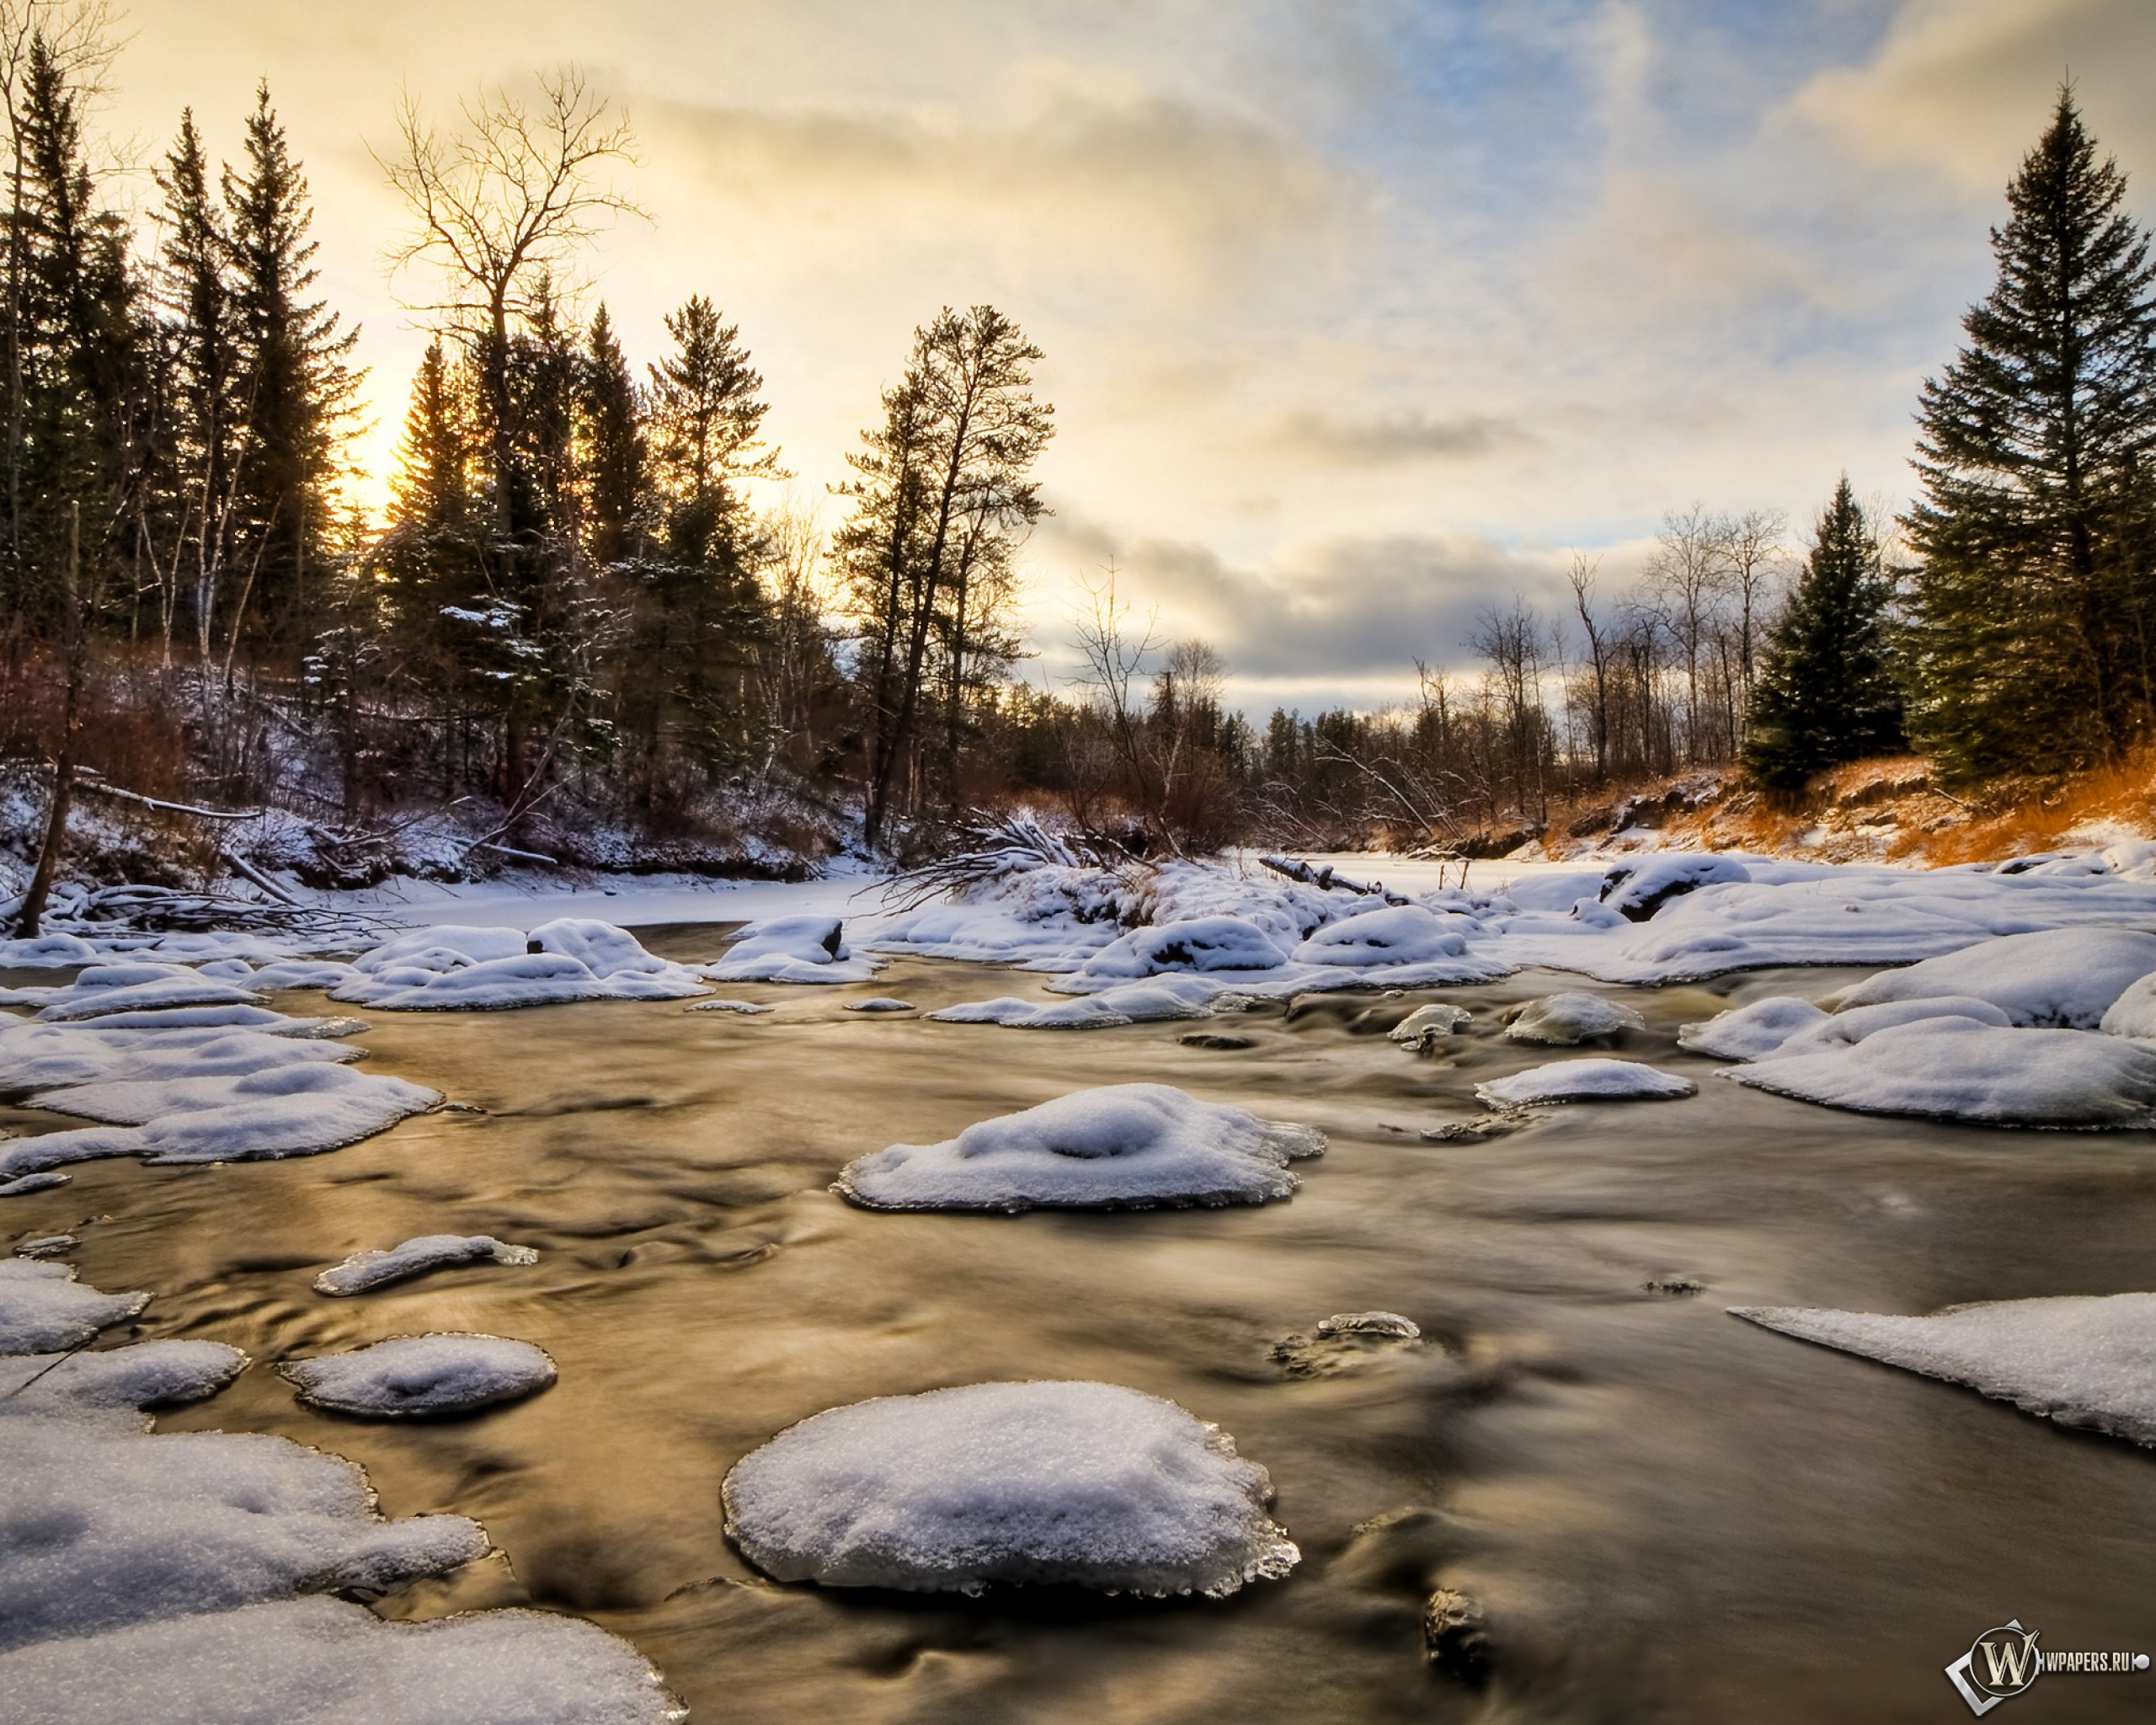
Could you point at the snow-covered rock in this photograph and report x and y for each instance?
(1583, 1080)
(1637, 889)
(419, 1376)
(1405, 940)
(1427, 1025)
(42, 1056)
(747, 1009)
(1122, 1146)
(2082, 1360)
(144, 1375)
(879, 1003)
(1957, 1069)
(364, 1270)
(47, 951)
(1565, 1020)
(1196, 943)
(2067, 977)
(960, 1489)
(44, 1308)
(1751, 1032)
(796, 949)
(1844, 1029)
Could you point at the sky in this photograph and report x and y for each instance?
(1358, 316)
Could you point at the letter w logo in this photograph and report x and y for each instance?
(2009, 1662)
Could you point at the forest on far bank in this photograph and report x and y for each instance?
(593, 626)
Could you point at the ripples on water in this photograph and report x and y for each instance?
(1668, 1514)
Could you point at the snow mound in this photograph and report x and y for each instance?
(1198, 943)
(43, 1309)
(1122, 1146)
(958, 1489)
(1752, 1033)
(24, 1185)
(259, 1019)
(303, 972)
(364, 1270)
(47, 951)
(44, 1056)
(2065, 977)
(147, 1374)
(797, 949)
(494, 970)
(1150, 1000)
(1957, 1069)
(1636, 890)
(1845, 1029)
(417, 1376)
(1567, 1019)
(329, 1662)
(880, 1003)
(747, 1008)
(2083, 1360)
(2133, 1013)
(1583, 1080)
(1398, 934)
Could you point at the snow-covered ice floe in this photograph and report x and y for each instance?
(1584, 1080)
(2083, 1360)
(751, 1009)
(103, 990)
(793, 949)
(411, 1377)
(453, 969)
(956, 1490)
(1676, 917)
(1959, 1068)
(1426, 1026)
(1154, 999)
(879, 1003)
(1565, 1020)
(2064, 977)
(364, 1270)
(160, 1579)
(1122, 1146)
(43, 1307)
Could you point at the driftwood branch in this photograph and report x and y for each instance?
(89, 781)
(1325, 879)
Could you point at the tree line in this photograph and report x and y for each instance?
(581, 610)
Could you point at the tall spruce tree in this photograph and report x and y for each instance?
(2033, 609)
(296, 379)
(1825, 692)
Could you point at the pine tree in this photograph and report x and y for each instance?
(2033, 605)
(613, 458)
(1825, 692)
(204, 408)
(297, 382)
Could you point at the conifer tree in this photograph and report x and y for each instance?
(2033, 605)
(614, 457)
(296, 379)
(1825, 692)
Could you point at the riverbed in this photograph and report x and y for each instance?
(1665, 1512)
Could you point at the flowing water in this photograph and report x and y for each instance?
(1668, 1514)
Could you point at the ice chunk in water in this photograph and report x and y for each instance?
(1583, 1080)
(329, 1662)
(2057, 976)
(1955, 1068)
(880, 1003)
(1122, 1146)
(1082, 1483)
(44, 1309)
(127, 988)
(375, 1270)
(416, 1376)
(1566, 1019)
(1150, 1001)
(2083, 1360)
(749, 1008)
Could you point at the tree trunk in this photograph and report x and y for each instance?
(30, 918)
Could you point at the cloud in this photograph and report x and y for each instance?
(1385, 439)
(1963, 87)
